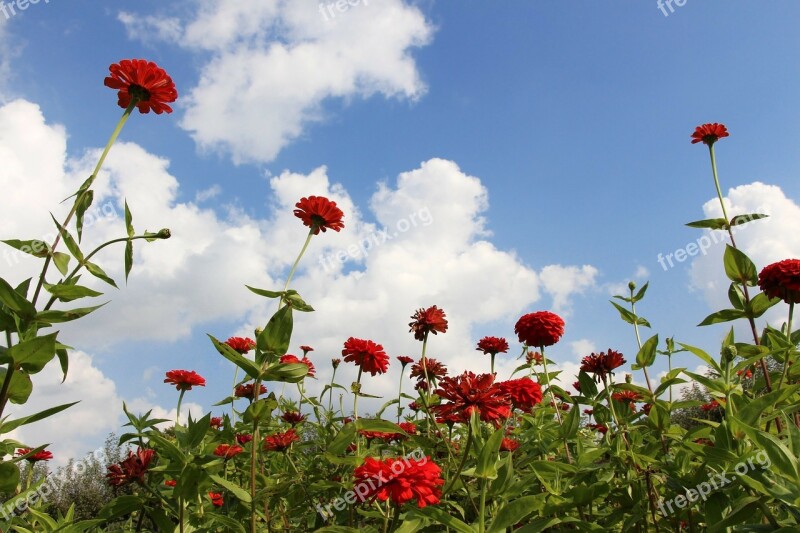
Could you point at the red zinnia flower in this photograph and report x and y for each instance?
(493, 345)
(627, 396)
(430, 320)
(436, 370)
(781, 280)
(216, 422)
(133, 468)
(601, 428)
(293, 417)
(227, 451)
(524, 393)
(577, 386)
(414, 406)
(184, 379)
(404, 360)
(509, 445)
(306, 349)
(713, 405)
(241, 344)
(709, 133)
(646, 408)
(280, 441)
(539, 329)
(145, 81)
(246, 391)
(319, 213)
(408, 427)
(468, 392)
(746, 372)
(170, 483)
(534, 358)
(216, 499)
(42, 455)
(602, 364)
(368, 355)
(401, 479)
(244, 438)
(289, 359)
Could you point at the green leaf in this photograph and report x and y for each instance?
(32, 247)
(710, 223)
(67, 293)
(739, 267)
(15, 301)
(738, 220)
(442, 517)
(236, 358)
(197, 430)
(726, 315)
(760, 304)
(82, 204)
(233, 488)
(751, 413)
(128, 258)
(513, 512)
(647, 354)
(286, 372)
(277, 335)
(629, 317)
(20, 388)
(588, 386)
(11, 425)
(342, 440)
(702, 355)
(121, 506)
(781, 457)
(266, 293)
(640, 294)
(128, 220)
(61, 260)
(572, 422)
(53, 316)
(376, 424)
(486, 467)
(95, 270)
(736, 296)
(294, 299)
(72, 246)
(9, 477)
(33, 354)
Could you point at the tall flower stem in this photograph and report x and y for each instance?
(357, 393)
(461, 464)
(330, 394)
(482, 511)
(178, 413)
(639, 341)
(296, 262)
(400, 394)
(555, 405)
(788, 354)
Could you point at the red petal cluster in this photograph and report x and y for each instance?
(216, 499)
(782, 280)
(280, 441)
(185, 379)
(227, 450)
(493, 345)
(241, 344)
(627, 396)
(539, 329)
(145, 81)
(430, 320)
(246, 391)
(602, 364)
(404, 359)
(42, 455)
(290, 359)
(709, 133)
(399, 479)
(367, 355)
(133, 468)
(216, 422)
(244, 438)
(436, 370)
(319, 213)
(524, 393)
(467, 393)
(293, 417)
(509, 445)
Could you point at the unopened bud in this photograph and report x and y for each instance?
(164, 233)
(632, 285)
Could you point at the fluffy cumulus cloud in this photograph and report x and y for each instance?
(270, 65)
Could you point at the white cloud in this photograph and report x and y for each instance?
(271, 66)
(561, 282)
(207, 194)
(583, 347)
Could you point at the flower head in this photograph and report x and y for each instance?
(133, 468)
(243, 438)
(143, 81)
(539, 329)
(216, 499)
(509, 445)
(280, 441)
(335, 362)
(713, 405)
(227, 450)
(42, 455)
(185, 379)
(368, 355)
(781, 280)
(492, 345)
(170, 482)
(434, 368)
(534, 358)
(600, 428)
(430, 320)
(467, 393)
(709, 133)
(524, 393)
(405, 478)
(404, 360)
(241, 344)
(246, 391)
(293, 417)
(602, 364)
(319, 213)
(215, 422)
(628, 397)
(306, 349)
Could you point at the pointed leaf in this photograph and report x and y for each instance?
(11, 425)
(53, 316)
(726, 315)
(128, 258)
(61, 260)
(266, 293)
(647, 354)
(739, 267)
(95, 270)
(738, 220)
(236, 358)
(82, 205)
(710, 223)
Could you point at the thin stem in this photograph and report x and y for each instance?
(357, 392)
(639, 343)
(178, 413)
(294, 266)
(461, 464)
(786, 363)
(482, 511)
(4, 389)
(555, 405)
(400, 394)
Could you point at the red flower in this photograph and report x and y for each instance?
(588, 412)
(216, 422)
(408, 427)
(709, 133)
(290, 359)
(781, 280)
(246, 391)
(577, 386)
(746, 372)
(713, 405)
(414, 406)
(534, 358)
(493, 345)
(244, 438)
(241, 344)
(523, 393)
(133, 468)
(145, 81)
(602, 364)
(306, 349)
(646, 408)
(509, 445)
(216, 499)
(184, 379)
(293, 417)
(467, 393)
(42, 455)
(401, 479)
(539, 329)
(430, 320)
(170, 483)
(436, 370)
(227, 451)
(627, 396)
(368, 355)
(601, 428)
(319, 213)
(404, 360)
(280, 441)
(335, 362)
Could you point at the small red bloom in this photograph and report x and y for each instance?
(170, 483)
(280, 441)
(601, 428)
(524, 393)
(293, 417)
(467, 393)
(709, 133)
(414, 406)
(216, 422)
(368, 355)
(408, 427)
(145, 81)
(577, 386)
(42, 455)
(781, 280)
(588, 412)
(133, 468)
(602, 364)
(216, 499)
(241, 344)
(746, 372)
(319, 213)
(430, 320)
(305, 349)
(627, 396)
(403, 480)
(539, 329)
(404, 360)
(184, 379)
(492, 345)
(246, 391)
(509, 445)
(227, 451)
(244, 438)
(289, 359)
(436, 370)
(534, 358)
(713, 405)
(646, 408)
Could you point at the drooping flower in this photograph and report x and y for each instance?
(628, 397)
(467, 393)
(492, 345)
(509, 445)
(319, 213)
(709, 133)
(145, 81)
(216, 498)
(435, 369)
(132, 469)
(305, 349)
(185, 379)
(781, 280)
(280, 441)
(215, 422)
(524, 393)
(404, 479)
(293, 417)
(602, 364)
(366, 354)
(241, 344)
(404, 360)
(246, 391)
(430, 320)
(243, 438)
(539, 329)
(228, 451)
(41, 455)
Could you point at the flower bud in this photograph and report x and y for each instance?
(628, 378)
(632, 285)
(729, 353)
(163, 233)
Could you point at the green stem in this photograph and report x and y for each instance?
(294, 266)
(555, 404)
(5, 387)
(400, 394)
(482, 511)
(639, 343)
(85, 190)
(330, 394)
(716, 184)
(785, 372)
(357, 392)
(492, 367)
(461, 464)
(178, 413)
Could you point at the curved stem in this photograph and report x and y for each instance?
(294, 266)
(178, 413)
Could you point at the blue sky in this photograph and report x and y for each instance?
(548, 141)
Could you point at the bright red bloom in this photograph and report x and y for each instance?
(589, 412)
(627, 396)
(246, 391)
(436, 370)
(509, 445)
(404, 360)
(241, 344)
(408, 427)
(216, 422)
(539, 329)
(430, 320)
(713, 405)
(185, 379)
(170, 483)
(746, 372)
(145, 81)
(133, 468)
(602, 364)
(368, 355)
(319, 213)
(216, 499)
(227, 450)
(42, 455)
(493, 345)
(293, 417)
(280, 441)
(401, 479)
(577, 386)
(782, 280)
(290, 359)
(523, 393)
(244, 438)
(709, 133)
(467, 393)
(601, 428)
